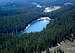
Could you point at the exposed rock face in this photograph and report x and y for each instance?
(65, 47)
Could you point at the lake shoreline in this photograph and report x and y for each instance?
(43, 19)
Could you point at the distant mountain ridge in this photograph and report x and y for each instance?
(25, 3)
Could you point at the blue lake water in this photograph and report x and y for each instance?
(37, 26)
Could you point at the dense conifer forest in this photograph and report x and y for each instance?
(57, 31)
(16, 15)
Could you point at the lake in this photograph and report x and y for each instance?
(38, 25)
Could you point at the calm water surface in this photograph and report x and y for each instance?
(37, 26)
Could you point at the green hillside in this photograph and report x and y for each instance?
(60, 29)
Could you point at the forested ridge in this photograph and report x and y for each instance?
(16, 20)
(60, 29)
(14, 17)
